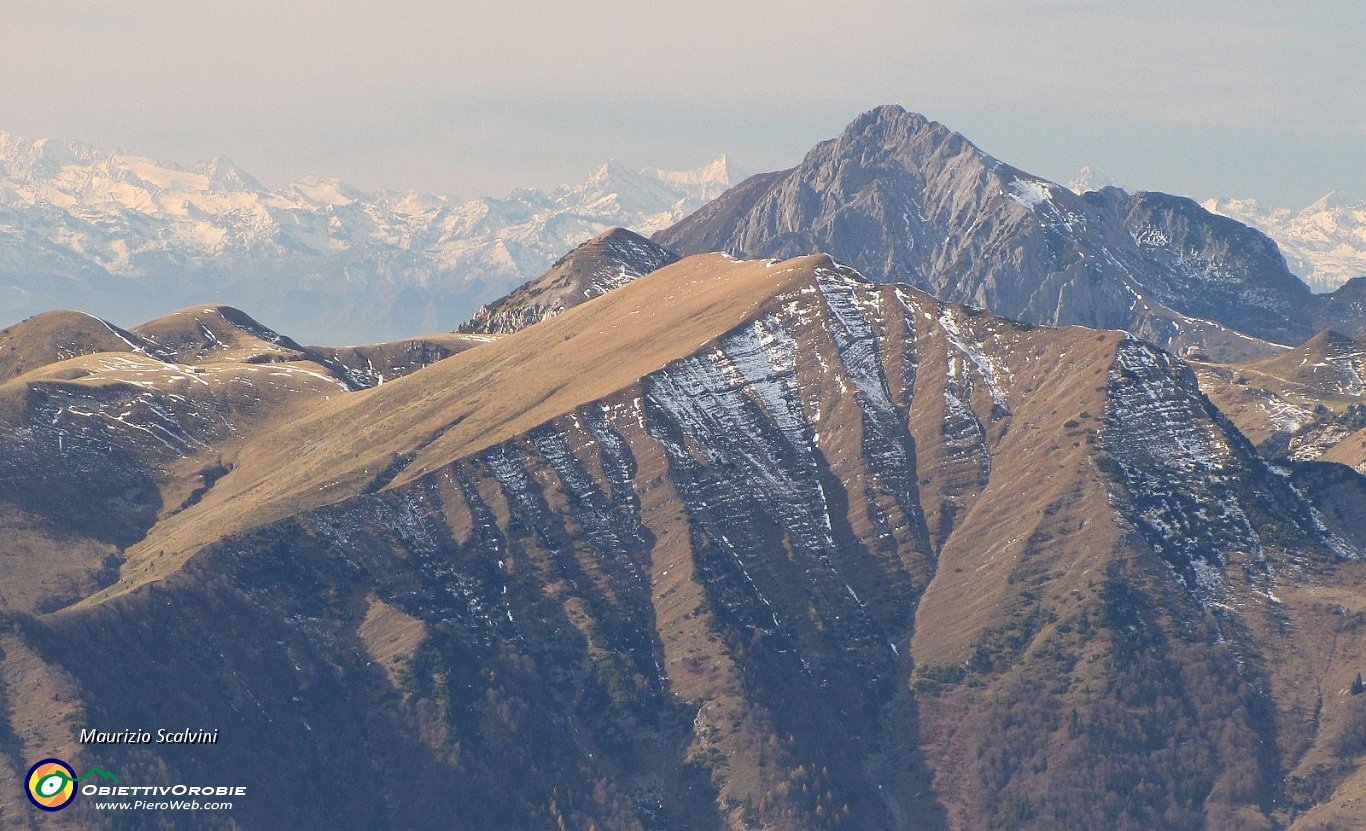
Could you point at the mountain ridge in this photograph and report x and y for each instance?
(795, 527)
(606, 262)
(123, 236)
(730, 544)
(1324, 242)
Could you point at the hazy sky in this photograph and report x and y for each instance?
(1253, 97)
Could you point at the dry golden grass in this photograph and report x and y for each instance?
(43, 564)
(1302, 383)
(55, 336)
(391, 636)
(1043, 485)
(1308, 368)
(45, 708)
(1022, 552)
(471, 401)
(112, 389)
(213, 333)
(1326, 650)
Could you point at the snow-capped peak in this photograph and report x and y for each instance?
(1090, 178)
(223, 175)
(713, 173)
(1323, 242)
(89, 217)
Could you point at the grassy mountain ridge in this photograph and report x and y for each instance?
(741, 544)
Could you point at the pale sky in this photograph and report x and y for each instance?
(1248, 98)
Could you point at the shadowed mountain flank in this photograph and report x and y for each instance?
(741, 544)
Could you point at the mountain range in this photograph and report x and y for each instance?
(717, 531)
(801, 550)
(126, 237)
(1324, 242)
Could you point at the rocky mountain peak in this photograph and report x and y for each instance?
(225, 176)
(885, 120)
(905, 199)
(606, 262)
(609, 238)
(888, 135)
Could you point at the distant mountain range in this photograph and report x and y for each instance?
(1324, 242)
(127, 237)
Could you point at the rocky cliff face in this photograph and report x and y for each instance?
(808, 552)
(906, 199)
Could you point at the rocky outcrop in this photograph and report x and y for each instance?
(606, 262)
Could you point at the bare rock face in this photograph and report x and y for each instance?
(605, 262)
(906, 199)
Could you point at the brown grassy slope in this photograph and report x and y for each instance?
(216, 333)
(120, 429)
(99, 447)
(1043, 485)
(39, 703)
(1306, 404)
(55, 336)
(470, 401)
(837, 555)
(1327, 365)
(1327, 781)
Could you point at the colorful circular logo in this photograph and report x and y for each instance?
(51, 784)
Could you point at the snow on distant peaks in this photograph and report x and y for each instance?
(1323, 242)
(70, 211)
(645, 200)
(715, 175)
(1090, 178)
